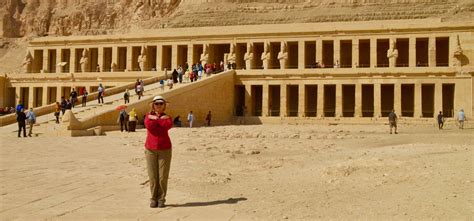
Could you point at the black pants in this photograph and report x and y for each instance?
(21, 125)
(440, 124)
(123, 123)
(100, 97)
(84, 101)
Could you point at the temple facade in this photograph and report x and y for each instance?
(344, 69)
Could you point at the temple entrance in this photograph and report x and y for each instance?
(240, 50)
(25, 96)
(311, 100)
(93, 60)
(328, 54)
(348, 100)
(257, 100)
(274, 100)
(367, 100)
(403, 55)
(448, 100)
(107, 60)
(37, 61)
(151, 58)
(346, 54)
(257, 54)
(422, 52)
(65, 92)
(442, 52)
(65, 60)
(329, 100)
(292, 55)
(51, 61)
(239, 100)
(166, 57)
(217, 51)
(310, 54)
(136, 51)
(387, 98)
(292, 100)
(427, 100)
(122, 59)
(274, 49)
(364, 53)
(382, 47)
(182, 55)
(197, 51)
(38, 96)
(408, 100)
(52, 94)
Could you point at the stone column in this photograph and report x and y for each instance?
(265, 99)
(190, 54)
(358, 100)
(377, 100)
(129, 58)
(248, 100)
(174, 56)
(17, 94)
(432, 51)
(319, 50)
(100, 59)
(320, 107)
(45, 96)
(338, 100)
(373, 52)
(72, 60)
(301, 55)
(301, 100)
(337, 52)
(412, 52)
(159, 55)
(417, 107)
(283, 102)
(355, 53)
(59, 53)
(438, 98)
(46, 60)
(31, 97)
(397, 99)
(114, 62)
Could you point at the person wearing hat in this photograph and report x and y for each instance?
(158, 150)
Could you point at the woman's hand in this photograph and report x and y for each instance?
(152, 117)
(165, 117)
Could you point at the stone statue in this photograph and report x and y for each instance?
(27, 62)
(392, 54)
(142, 59)
(266, 55)
(231, 57)
(205, 55)
(283, 55)
(84, 60)
(248, 57)
(113, 67)
(458, 53)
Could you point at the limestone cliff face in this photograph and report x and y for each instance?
(32, 18)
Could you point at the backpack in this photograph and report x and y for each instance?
(123, 115)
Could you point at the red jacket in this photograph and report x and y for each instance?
(157, 137)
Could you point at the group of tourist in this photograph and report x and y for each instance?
(25, 118)
(128, 121)
(139, 89)
(7, 110)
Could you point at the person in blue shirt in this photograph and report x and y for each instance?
(461, 118)
(31, 119)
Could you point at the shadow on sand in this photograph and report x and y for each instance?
(210, 203)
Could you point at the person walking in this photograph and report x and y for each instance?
(21, 118)
(392, 120)
(208, 119)
(139, 91)
(63, 105)
(57, 111)
(126, 96)
(123, 119)
(31, 119)
(158, 151)
(101, 91)
(461, 118)
(73, 96)
(84, 97)
(440, 120)
(132, 121)
(190, 119)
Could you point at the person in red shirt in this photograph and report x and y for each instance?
(158, 150)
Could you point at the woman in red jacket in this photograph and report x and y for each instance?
(158, 151)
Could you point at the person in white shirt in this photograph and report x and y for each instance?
(190, 119)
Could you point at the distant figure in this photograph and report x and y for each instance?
(19, 107)
(97, 68)
(177, 121)
(461, 118)
(101, 91)
(208, 119)
(132, 123)
(57, 112)
(162, 85)
(20, 118)
(392, 119)
(84, 97)
(170, 83)
(440, 120)
(126, 96)
(123, 118)
(190, 119)
(63, 105)
(31, 119)
(73, 96)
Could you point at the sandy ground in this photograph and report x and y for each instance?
(264, 172)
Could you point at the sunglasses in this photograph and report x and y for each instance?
(159, 103)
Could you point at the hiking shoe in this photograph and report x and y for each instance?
(153, 204)
(161, 205)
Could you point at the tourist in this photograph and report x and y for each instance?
(162, 85)
(31, 119)
(132, 121)
(84, 97)
(461, 118)
(158, 151)
(68, 104)
(123, 118)
(19, 107)
(208, 119)
(392, 119)
(73, 96)
(97, 68)
(101, 91)
(136, 85)
(174, 75)
(191, 76)
(170, 83)
(440, 120)
(190, 119)
(177, 121)
(20, 118)
(126, 96)
(63, 105)
(180, 74)
(142, 83)
(57, 112)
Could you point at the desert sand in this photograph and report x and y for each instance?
(261, 172)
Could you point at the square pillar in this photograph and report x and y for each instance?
(45, 60)
(174, 56)
(265, 99)
(320, 107)
(338, 100)
(319, 51)
(358, 100)
(337, 52)
(248, 100)
(301, 100)
(17, 95)
(115, 59)
(417, 107)
(100, 59)
(377, 100)
(412, 52)
(283, 103)
(59, 55)
(301, 55)
(45, 96)
(438, 98)
(31, 97)
(453, 41)
(129, 58)
(159, 54)
(373, 52)
(355, 53)
(397, 99)
(58, 93)
(191, 55)
(432, 51)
